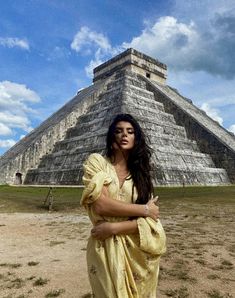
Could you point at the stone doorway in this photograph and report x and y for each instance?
(18, 178)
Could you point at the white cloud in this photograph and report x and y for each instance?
(232, 128)
(87, 38)
(19, 92)
(89, 68)
(11, 42)
(15, 121)
(15, 99)
(168, 40)
(164, 37)
(7, 143)
(187, 46)
(15, 110)
(58, 53)
(5, 130)
(211, 112)
(93, 43)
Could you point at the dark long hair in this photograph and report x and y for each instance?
(138, 162)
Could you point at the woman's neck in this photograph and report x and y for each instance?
(120, 159)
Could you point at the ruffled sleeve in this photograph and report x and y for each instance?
(152, 236)
(94, 178)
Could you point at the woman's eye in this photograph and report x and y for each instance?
(117, 131)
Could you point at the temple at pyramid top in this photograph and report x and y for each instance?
(134, 61)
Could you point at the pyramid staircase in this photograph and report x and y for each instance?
(176, 159)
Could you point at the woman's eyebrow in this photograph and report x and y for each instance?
(121, 128)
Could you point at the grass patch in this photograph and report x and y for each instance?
(40, 281)
(200, 261)
(227, 264)
(12, 266)
(55, 293)
(17, 283)
(177, 293)
(54, 243)
(217, 294)
(31, 199)
(213, 276)
(197, 192)
(32, 263)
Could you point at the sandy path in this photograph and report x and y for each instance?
(41, 253)
(55, 243)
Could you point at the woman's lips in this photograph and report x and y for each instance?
(124, 142)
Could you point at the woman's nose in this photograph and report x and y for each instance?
(124, 133)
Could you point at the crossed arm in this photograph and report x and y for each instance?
(106, 206)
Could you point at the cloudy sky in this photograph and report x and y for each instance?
(48, 49)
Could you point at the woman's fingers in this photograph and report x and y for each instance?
(155, 199)
(101, 230)
(153, 208)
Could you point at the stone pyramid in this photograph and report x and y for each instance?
(189, 148)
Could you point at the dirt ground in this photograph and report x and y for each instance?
(43, 255)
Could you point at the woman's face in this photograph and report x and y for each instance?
(124, 136)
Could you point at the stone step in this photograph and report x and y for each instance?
(68, 158)
(126, 80)
(143, 101)
(151, 125)
(143, 111)
(129, 89)
(170, 176)
(148, 112)
(174, 175)
(158, 140)
(106, 100)
(133, 90)
(67, 152)
(167, 156)
(98, 114)
(66, 177)
(87, 139)
(174, 142)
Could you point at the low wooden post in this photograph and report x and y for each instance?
(49, 198)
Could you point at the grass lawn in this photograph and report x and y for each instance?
(31, 199)
(66, 199)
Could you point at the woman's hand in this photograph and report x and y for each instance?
(102, 230)
(152, 210)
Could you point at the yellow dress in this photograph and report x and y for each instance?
(122, 266)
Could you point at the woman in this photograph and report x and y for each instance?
(127, 239)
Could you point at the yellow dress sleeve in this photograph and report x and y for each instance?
(152, 236)
(94, 178)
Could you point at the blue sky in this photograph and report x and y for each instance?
(48, 49)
